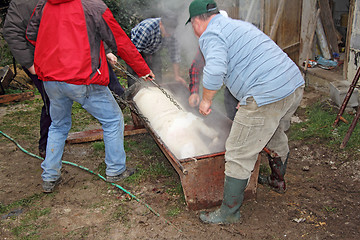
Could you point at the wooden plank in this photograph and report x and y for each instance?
(16, 97)
(328, 24)
(348, 37)
(97, 134)
(291, 48)
(276, 21)
(6, 76)
(308, 14)
(322, 41)
(312, 32)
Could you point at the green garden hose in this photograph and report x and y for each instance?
(90, 171)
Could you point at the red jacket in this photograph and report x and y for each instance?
(68, 36)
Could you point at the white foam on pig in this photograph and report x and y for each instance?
(185, 134)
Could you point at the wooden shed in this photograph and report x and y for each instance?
(304, 32)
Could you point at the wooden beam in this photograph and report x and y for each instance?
(328, 24)
(312, 33)
(308, 14)
(16, 97)
(348, 37)
(276, 21)
(291, 48)
(97, 134)
(323, 44)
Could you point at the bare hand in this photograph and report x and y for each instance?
(194, 100)
(149, 77)
(111, 58)
(32, 70)
(204, 107)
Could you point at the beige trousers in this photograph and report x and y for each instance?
(256, 127)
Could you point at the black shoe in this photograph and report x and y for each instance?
(48, 186)
(127, 173)
(42, 153)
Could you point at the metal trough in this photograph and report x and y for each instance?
(202, 177)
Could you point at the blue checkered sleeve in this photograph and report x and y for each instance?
(146, 36)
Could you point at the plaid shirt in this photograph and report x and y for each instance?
(147, 38)
(195, 72)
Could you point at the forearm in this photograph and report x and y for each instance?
(176, 70)
(206, 101)
(208, 95)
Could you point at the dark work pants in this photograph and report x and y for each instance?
(45, 120)
(114, 84)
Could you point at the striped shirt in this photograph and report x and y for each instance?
(247, 61)
(147, 38)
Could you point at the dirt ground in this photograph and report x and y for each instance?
(322, 201)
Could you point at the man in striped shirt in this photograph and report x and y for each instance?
(269, 88)
(150, 36)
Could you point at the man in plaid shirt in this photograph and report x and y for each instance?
(150, 36)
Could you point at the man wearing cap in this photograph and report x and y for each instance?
(149, 36)
(269, 88)
(195, 73)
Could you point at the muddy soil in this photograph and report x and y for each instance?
(322, 201)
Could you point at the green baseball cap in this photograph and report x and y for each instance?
(198, 7)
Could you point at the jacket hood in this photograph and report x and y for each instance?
(54, 2)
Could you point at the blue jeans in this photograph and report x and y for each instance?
(100, 103)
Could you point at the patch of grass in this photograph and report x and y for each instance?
(20, 203)
(146, 146)
(175, 189)
(21, 124)
(173, 211)
(129, 145)
(123, 82)
(330, 209)
(80, 233)
(102, 169)
(319, 128)
(98, 146)
(12, 91)
(121, 213)
(152, 171)
(28, 229)
(150, 148)
(80, 118)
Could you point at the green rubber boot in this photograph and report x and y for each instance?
(229, 211)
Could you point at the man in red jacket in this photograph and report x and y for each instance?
(70, 59)
(14, 31)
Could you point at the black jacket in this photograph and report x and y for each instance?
(16, 21)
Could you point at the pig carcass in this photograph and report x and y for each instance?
(183, 133)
